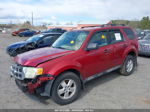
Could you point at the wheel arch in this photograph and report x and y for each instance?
(132, 53)
(70, 70)
(77, 72)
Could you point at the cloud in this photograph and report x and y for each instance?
(87, 10)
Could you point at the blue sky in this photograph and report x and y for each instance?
(76, 11)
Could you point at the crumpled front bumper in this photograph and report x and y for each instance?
(41, 85)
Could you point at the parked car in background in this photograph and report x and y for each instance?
(15, 33)
(142, 33)
(144, 46)
(1, 30)
(146, 32)
(37, 41)
(28, 33)
(77, 57)
(56, 30)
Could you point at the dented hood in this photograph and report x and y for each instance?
(35, 57)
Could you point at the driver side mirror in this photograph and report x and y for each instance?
(92, 46)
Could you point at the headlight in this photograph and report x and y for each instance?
(31, 72)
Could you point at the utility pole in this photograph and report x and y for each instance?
(32, 18)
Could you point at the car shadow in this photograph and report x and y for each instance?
(99, 81)
(143, 56)
(87, 88)
(38, 98)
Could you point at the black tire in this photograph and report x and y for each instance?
(57, 84)
(124, 69)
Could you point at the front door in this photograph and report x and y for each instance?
(101, 59)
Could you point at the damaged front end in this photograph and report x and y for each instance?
(33, 83)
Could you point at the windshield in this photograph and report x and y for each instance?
(71, 40)
(147, 37)
(34, 38)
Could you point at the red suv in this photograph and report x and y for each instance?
(76, 57)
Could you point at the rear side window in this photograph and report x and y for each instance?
(115, 36)
(129, 33)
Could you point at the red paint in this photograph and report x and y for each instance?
(87, 63)
(15, 33)
(31, 87)
(40, 55)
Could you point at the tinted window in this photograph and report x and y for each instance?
(58, 30)
(129, 33)
(47, 40)
(115, 36)
(100, 38)
(35, 38)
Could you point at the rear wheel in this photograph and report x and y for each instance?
(66, 88)
(129, 65)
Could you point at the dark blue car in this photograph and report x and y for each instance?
(55, 30)
(27, 33)
(37, 41)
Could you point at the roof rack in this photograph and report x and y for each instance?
(90, 26)
(103, 25)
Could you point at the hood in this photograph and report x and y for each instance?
(18, 44)
(35, 57)
(144, 41)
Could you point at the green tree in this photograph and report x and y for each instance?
(145, 23)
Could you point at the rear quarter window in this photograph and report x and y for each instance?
(129, 33)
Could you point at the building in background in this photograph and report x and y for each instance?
(71, 27)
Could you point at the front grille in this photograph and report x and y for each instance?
(145, 48)
(17, 71)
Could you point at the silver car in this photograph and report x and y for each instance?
(144, 46)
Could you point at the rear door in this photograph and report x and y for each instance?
(119, 44)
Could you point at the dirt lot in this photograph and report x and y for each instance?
(110, 91)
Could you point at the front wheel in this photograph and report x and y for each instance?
(66, 88)
(128, 66)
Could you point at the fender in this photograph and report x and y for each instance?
(67, 65)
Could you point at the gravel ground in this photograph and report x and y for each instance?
(111, 91)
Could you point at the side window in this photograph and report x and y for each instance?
(100, 38)
(59, 30)
(129, 33)
(47, 40)
(54, 38)
(115, 36)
